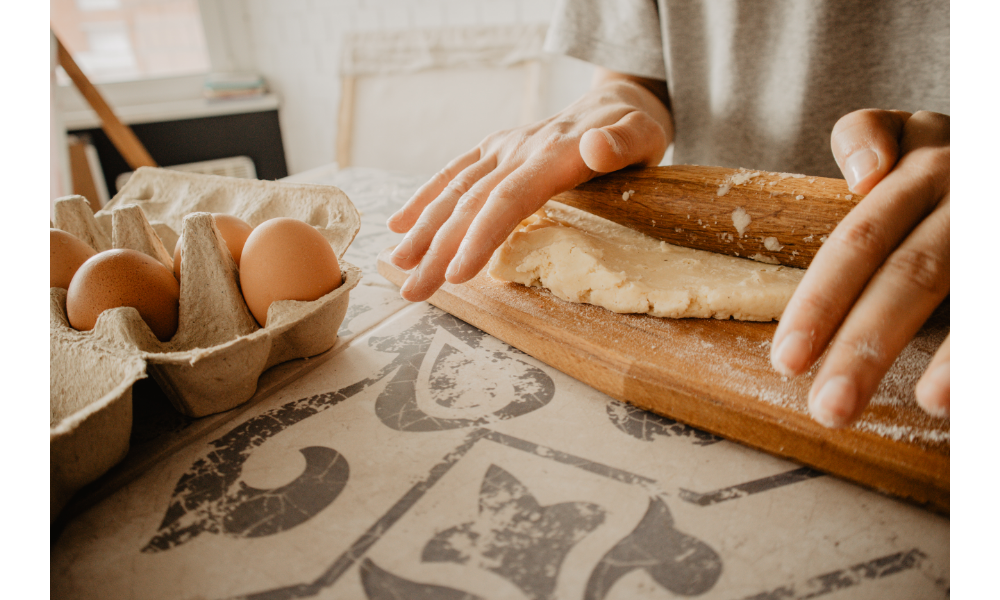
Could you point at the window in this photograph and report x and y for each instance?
(120, 40)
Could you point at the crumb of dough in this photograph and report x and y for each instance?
(808, 238)
(741, 219)
(624, 195)
(739, 178)
(772, 244)
(765, 259)
(823, 239)
(743, 176)
(800, 197)
(849, 196)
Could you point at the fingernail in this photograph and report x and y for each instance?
(792, 355)
(834, 404)
(612, 143)
(934, 391)
(455, 267)
(859, 166)
(408, 285)
(403, 250)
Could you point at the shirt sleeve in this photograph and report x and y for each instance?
(621, 35)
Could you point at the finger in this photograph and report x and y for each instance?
(635, 139)
(934, 388)
(403, 219)
(905, 291)
(430, 274)
(519, 195)
(412, 248)
(865, 144)
(858, 247)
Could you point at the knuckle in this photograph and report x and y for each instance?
(458, 186)
(563, 125)
(932, 118)
(919, 269)
(820, 304)
(442, 177)
(421, 235)
(552, 142)
(468, 205)
(929, 167)
(865, 349)
(520, 138)
(861, 236)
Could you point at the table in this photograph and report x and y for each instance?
(423, 458)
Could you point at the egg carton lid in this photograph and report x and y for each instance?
(167, 196)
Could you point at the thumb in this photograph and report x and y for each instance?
(635, 139)
(865, 144)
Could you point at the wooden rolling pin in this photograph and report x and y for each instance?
(771, 217)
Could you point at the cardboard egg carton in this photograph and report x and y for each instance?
(214, 360)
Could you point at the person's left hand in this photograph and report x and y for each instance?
(883, 270)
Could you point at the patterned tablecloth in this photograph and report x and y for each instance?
(423, 458)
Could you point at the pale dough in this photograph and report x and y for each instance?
(583, 258)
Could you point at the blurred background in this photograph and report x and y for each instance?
(270, 88)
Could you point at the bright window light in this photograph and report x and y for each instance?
(122, 40)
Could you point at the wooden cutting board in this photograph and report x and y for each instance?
(716, 376)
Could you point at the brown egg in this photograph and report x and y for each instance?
(66, 253)
(234, 231)
(116, 278)
(286, 259)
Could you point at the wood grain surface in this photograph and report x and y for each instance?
(716, 376)
(693, 206)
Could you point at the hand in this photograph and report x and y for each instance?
(882, 271)
(459, 217)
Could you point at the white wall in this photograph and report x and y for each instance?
(295, 45)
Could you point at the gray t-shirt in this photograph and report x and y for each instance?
(761, 84)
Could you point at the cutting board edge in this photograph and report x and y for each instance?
(920, 477)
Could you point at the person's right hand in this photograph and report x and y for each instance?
(458, 218)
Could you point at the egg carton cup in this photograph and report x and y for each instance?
(219, 351)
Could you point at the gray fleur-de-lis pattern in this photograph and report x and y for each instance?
(424, 459)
